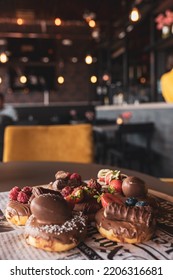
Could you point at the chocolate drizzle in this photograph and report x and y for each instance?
(124, 230)
(71, 231)
(15, 208)
(40, 190)
(133, 214)
(88, 207)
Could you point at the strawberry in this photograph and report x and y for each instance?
(90, 193)
(107, 198)
(92, 183)
(76, 196)
(66, 191)
(112, 174)
(115, 185)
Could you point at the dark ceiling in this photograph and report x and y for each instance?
(66, 9)
(38, 29)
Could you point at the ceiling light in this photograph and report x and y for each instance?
(92, 23)
(67, 42)
(23, 79)
(88, 59)
(45, 59)
(129, 28)
(3, 42)
(134, 15)
(60, 80)
(93, 79)
(58, 21)
(24, 59)
(19, 21)
(89, 16)
(106, 77)
(165, 31)
(122, 35)
(95, 33)
(142, 80)
(3, 57)
(74, 59)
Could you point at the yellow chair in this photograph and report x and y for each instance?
(169, 181)
(72, 143)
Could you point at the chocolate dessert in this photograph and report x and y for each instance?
(53, 226)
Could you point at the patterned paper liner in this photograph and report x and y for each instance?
(95, 247)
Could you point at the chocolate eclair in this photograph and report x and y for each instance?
(127, 224)
(17, 213)
(18, 209)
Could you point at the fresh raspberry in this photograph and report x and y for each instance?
(92, 183)
(23, 197)
(75, 176)
(27, 190)
(14, 193)
(66, 191)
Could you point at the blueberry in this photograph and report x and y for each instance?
(142, 203)
(131, 201)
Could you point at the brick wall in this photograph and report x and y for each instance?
(77, 86)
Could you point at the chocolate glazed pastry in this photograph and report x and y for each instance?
(52, 225)
(17, 213)
(127, 224)
(88, 208)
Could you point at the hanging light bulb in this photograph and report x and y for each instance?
(92, 23)
(93, 79)
(3, 57)
(23, 79)
(19, 21)
(58, 21)
(134, 15)
(88, 59)
(60, 80)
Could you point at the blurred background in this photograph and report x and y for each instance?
(100, 62)
(83, 50)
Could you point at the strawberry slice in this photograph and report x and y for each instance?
(76, 196)
(115, 185)
(107, 198)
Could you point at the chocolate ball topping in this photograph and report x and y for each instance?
(50, 209)
(134, 187)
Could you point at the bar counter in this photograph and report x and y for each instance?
(161, 114)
